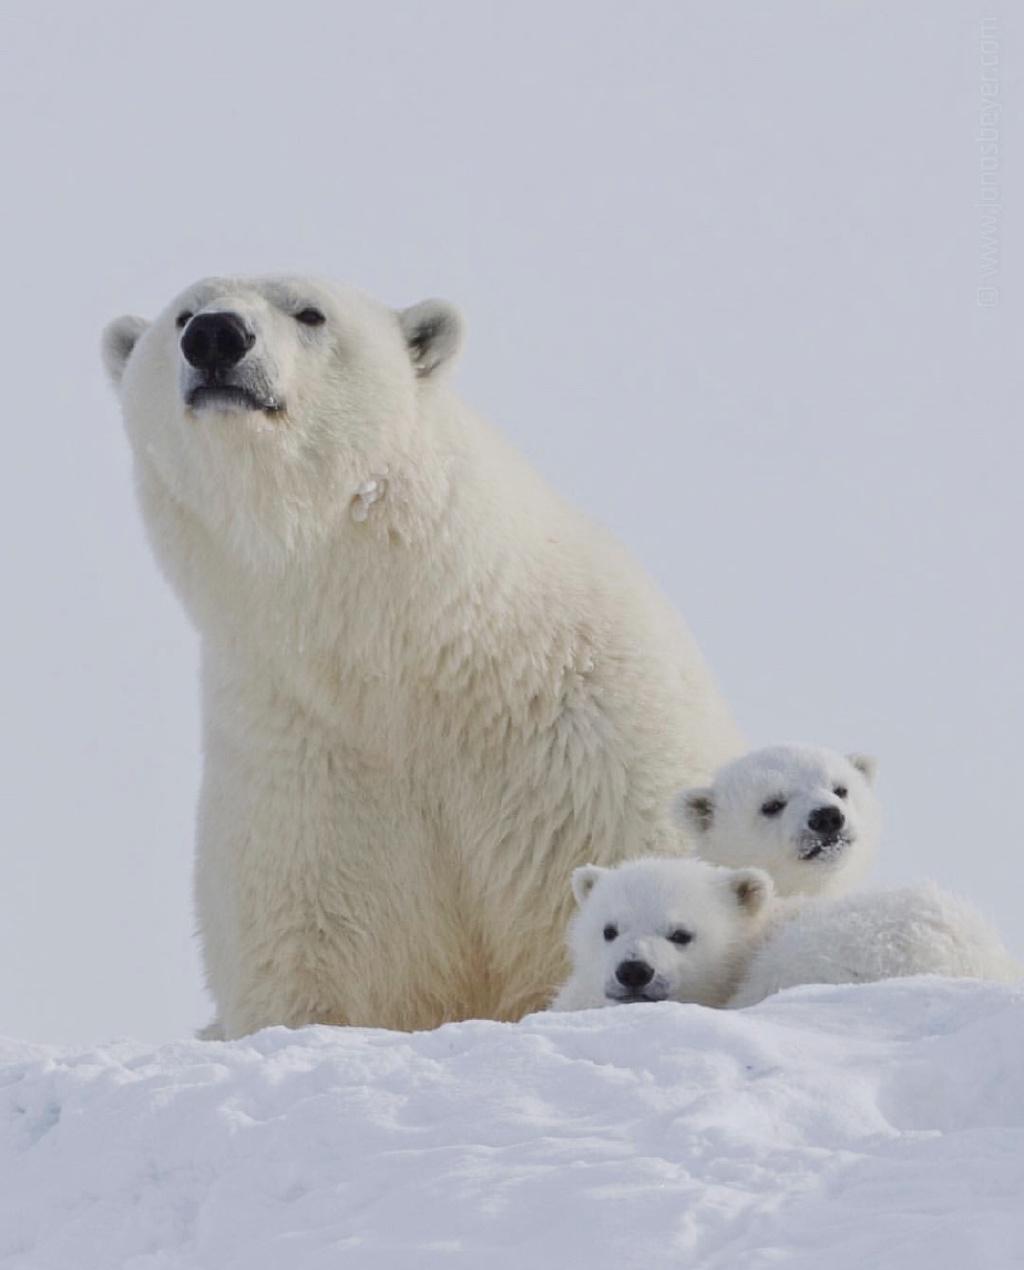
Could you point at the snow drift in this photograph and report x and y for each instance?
(879, 1125)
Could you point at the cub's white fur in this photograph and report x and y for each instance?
(808, 816)
(662, 929)
(430, 688)
(874, 935)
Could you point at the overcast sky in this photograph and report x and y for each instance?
(720, 266)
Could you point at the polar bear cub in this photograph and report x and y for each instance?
(658, 929)
(808, 816)
(874, 935)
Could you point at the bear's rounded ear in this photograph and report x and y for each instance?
(753, 888)
(433, 334)
(695, 808)
(865, 764)
(119, 338)
(583, 880)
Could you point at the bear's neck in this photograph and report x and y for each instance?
(420, 584)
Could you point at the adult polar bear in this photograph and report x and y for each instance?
(430, 689)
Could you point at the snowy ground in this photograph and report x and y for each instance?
(877, 1126)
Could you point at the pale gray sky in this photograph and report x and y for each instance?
(720, 268)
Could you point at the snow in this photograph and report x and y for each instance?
(879, 1125)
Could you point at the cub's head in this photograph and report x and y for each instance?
(808, 816)
(664, 929)
(264, 405)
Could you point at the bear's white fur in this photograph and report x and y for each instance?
(662, 930)
(873, 935)
(808, 816)
(430, 688)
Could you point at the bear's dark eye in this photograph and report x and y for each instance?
(183, 319)
(681, 937)
(610, 933)
(840, 791)
(310, 317)
(773, 806)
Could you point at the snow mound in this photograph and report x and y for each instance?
(878, 1125)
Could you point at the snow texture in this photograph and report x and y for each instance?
(879, 1125)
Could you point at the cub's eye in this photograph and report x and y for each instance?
(610, 933)
(681, 937)
(840, 791)
(310, 317)
(773, 806)
(183, 319)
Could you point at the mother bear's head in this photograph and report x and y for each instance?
(264, 405)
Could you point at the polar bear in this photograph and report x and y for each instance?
(662, 930)
(871, 935)
(430, 688)
(808, 816)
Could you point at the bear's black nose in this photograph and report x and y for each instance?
(634, 974)
(826, 820)
(215, 341)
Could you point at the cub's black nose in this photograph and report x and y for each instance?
(826, 820)
(634, 974)
(215, 341)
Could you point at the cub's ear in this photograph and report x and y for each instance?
(695, 808)
(583, 880)
(865, 764)
(753, 889)
(119, 338)
(433, 334)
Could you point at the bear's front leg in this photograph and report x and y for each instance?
(313, 882)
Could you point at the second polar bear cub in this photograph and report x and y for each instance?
(808, 816)
(662, 929)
